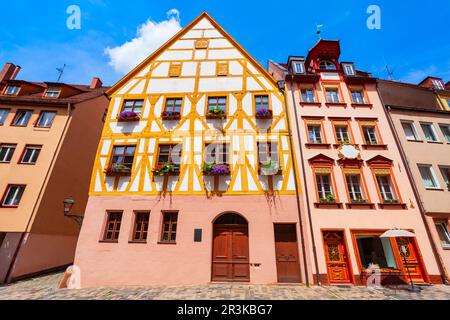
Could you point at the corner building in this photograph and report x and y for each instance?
(230, 215)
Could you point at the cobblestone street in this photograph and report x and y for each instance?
(45, 288)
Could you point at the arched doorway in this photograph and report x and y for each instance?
(230, 254)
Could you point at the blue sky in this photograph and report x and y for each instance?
(413, 38)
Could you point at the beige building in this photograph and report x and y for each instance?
(422, 128)
(48, 136)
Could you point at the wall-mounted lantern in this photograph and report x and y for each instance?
(68, 204)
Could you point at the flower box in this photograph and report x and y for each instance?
(170, 115)
(216, 113)
(117, 170)
(329, 199)
(212, 169)
(269, 169)
(167, 169)
(358, 201)
(390, 201)
(128, 116)
(264, 114)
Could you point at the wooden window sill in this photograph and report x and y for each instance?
(328, 205)
(435, 142)
(318, 145)
(354, 205)
(374, 146)
(109, 241)
(313, 104)
(336, 104)
(362, 105)
(393, 206)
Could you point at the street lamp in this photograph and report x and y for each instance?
(68, 204)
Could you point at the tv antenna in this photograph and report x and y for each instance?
(60, 72)
(390, 73)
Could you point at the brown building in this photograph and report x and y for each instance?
(49, 134)
(420, 118)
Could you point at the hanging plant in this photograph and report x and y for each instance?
(213, 169)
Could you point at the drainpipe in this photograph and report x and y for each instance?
(297, 196)
(308, 208)
(387, 111)
(47, 175)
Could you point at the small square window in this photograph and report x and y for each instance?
(3, 114)
(358, 97)
(30, 154)
(122, 159)
(349, 69)
(12, 90)
(13, 195)
(308, 95)
(332, 95)
(299, 67)
(22, 117)
(52, 92)
(45, 119)
(6, 152)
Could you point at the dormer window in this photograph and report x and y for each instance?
(438, 84)
(327, 65)
(349, 70)
(299, 67)
(12, 90)
(52, 92)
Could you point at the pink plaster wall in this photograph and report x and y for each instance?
(187, 262)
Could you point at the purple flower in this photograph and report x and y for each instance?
(220, 169)
(128, 114)
(262, 113)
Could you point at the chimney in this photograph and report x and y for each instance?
(9, 72)
(96, 83)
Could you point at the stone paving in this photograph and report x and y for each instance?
(45, 288)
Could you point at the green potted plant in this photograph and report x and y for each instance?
(165, 169)
(359, 200)
(329, 198)
(390, 201)
(216, 113)
(117, 169)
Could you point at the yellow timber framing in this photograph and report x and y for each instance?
(240, 129)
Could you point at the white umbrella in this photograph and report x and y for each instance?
(398, 233)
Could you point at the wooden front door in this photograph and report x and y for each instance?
(338, 267)
(412, 260)
(230, 261)
(286, 251)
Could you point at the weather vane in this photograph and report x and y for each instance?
(319, 31)
(60, 71)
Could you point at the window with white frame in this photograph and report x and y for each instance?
(354, 187)
(324, 189)
(308, 95)
(3, 115)
(6, 152)
(428, 176)
(13, 195)
(430, 133)
(299, 67)
(445, 128)
(12, 90)
(370, 135)
(342, 134)
(30, 154)
(45, 119)
(444, 234)
(52, 92)
(410, 131)
(349, 70)
(385, 187)
(445, 171)
(315, 133)
(358, 97)
(332, 95)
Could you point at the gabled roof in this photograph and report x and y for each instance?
(183, 31)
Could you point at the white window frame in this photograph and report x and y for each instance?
(307, 95)
(315, 126)
(431, 173)
(33, 153)
(9, 147)
(382, 189)
(16, 193)
(441, 126)
(299, 65)
(444, 228)
(433, 131)
(340, 135)
(52, 92)
(334, 90)
(329, 65)
(363, 99)
(442, 169)
(413, 129)
(349, 67)
(322, 192)
(354, 187)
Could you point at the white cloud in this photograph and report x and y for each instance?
(150, 36)
(415, 76)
